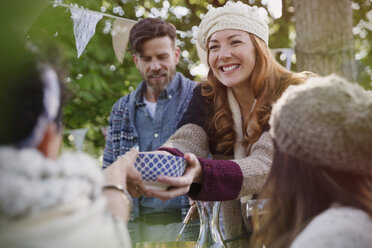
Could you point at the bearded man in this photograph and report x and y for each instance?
(146, 118)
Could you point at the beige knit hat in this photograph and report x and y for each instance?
(327, 121)
(232, 16)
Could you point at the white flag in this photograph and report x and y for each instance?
(84, 27)
(79, 137)
(120, 36)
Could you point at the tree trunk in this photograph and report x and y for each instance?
(324, 38)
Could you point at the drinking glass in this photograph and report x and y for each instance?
(250, 207)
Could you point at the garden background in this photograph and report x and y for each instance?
(97, 79)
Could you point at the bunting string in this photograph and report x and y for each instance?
(85, 22)
(92, 12)
(104, 14)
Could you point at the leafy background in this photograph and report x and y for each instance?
(96, 79)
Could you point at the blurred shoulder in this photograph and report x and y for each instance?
(337, 227)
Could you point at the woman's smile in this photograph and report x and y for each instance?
(230, 68)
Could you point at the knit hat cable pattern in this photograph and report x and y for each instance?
(232, 15)
(326, 121)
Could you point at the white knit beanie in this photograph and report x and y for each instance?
(328, 122)
(232, 16)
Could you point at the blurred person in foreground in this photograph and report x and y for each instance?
(320, 184)
(146, 118)
(47, 200)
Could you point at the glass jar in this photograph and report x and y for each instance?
(209, 235)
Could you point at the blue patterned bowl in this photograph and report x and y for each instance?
(151, 165)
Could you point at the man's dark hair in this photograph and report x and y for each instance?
(147, 29)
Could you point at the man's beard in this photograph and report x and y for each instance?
(159, 86)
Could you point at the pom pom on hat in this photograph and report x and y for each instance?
(326, 121)
(232, 15)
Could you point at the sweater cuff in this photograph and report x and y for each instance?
(222, 181)
(173, 151)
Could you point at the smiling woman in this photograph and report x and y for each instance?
(228, 115)
(232, 57)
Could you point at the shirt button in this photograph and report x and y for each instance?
(169, 96)
(156, 135)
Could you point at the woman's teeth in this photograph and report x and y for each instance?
(229, 68)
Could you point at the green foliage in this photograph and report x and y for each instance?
(96, 79)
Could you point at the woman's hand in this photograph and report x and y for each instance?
(123, 172)
(180, 185)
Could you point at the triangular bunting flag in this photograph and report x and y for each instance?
(120, 36)
(79, 137)
(84, 27)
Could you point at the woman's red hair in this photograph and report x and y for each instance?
(268, 81)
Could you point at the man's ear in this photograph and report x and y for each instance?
(135, 59)
(177, 52)
(51, 142)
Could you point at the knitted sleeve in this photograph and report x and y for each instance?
(231, 179)
(222, 179)
(191, 135)
(256, 166)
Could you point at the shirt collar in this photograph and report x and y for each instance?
(173, 86)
